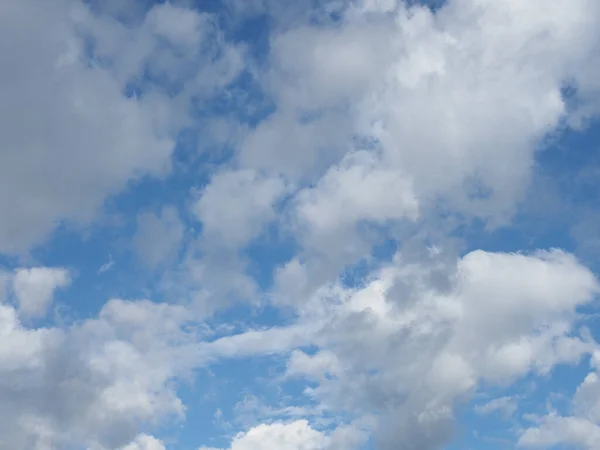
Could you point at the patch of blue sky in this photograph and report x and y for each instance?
(241, 100)
(233, 395)
(265, 254)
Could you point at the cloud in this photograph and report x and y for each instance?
(122, 363)
(580, 430)
(503, 405)
(421, 129)
(70, 136)
(413, 135)
(413, 356)
(34, 288)
(235, 206)
(298, 435)
(359, 189)
(385, 123)
(436, 97)
(556, 430)
(93, 383)
(107, 265)
(145, 442)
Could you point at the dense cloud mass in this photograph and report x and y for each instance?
(313, 212)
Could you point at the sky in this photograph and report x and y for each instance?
(299, 225)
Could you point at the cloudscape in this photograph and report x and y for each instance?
(299, 224)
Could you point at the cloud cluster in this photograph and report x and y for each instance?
(34, 288)
(445, 119)
(95, 383)
(296, 435)
(503, 316)
(70, 135)
(387, 122)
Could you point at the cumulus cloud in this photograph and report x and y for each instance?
(145, 442)
(70, 136)
(92, 384)
(503, 317)
(235, 207)
(417, 130)
(580, 430)
(437, 95)
(555, 430)
(386, 122)
(298, 435)
(34, 288)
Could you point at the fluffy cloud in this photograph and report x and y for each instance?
(34, 288)
(416, 130)
(581, 430)
(94, 383)
(358, 190)
(384, 120)
(556, 430)
(298, 435)
(235, 206)
(436, 97)
(503, 316)
(145, 442)
(133, 350)
(70, 137)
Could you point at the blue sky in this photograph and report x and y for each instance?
(324, 225)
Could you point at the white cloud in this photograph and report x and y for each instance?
(94, 383)
(556, 430)
(359, 189)
(586, 402)
(438, 97)
(502, 405)
(173, 42)
(260, 342)
(395, 115)
(145, 442)
(445, 119)
(300, 151)
(181, 26)
(411, 354)
(107, 265)
(69, 136)
(34, 288)
(453, 108)
(235, 206)
(313, 366)
(298, 435)
(581, 430)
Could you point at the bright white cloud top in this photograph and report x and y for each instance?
(275, 224)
